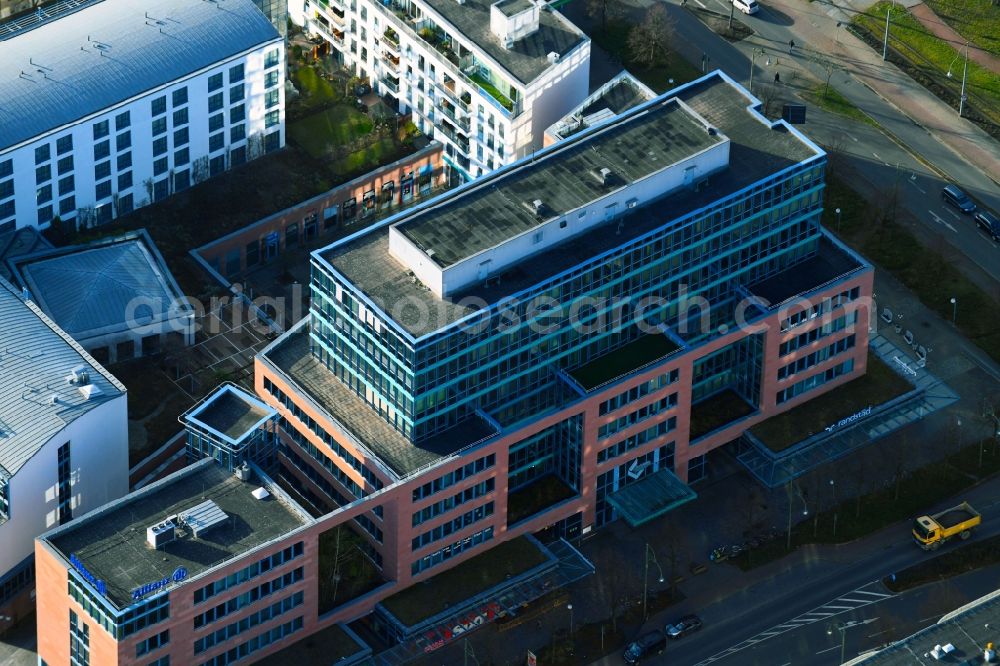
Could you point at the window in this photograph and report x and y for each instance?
(125, 180)
(125, 204)
(66, 185)
(67, 206)
(102, 150)
(159, 126)
(6, 168)
(4, 498)
(43, 173)
(154, 642)
(271, 79)
(64, 144)
(216, 142)
(238, 156)
(6, 189)
(44, 194)
(123, 120)
(181, 137)
(160, 146)
(180, 117)
(160, 166)
(6, 209)
(103, 190)
(236, 73)
(216, 122)
(64, 495)
(237, 94)
(215, 102)
(271, 98)
(182, 180)
(217, 165)
(237, 114)
(161, 189)
(179, 97)
(124, 161)
(159, 106)
(101, 130)
(123, 141)
(102, 170)
(44, 214)
(79, 641)
(271, 59)
(272, 118)
(65, 164)
(237, 133)
(181, 157)
(42, 154)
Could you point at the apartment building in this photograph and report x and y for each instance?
(483, 78)
(112, 105)
(516, 355)
(63, 441)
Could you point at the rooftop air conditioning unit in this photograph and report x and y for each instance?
(79, 375)
(603, 175)
(53, 399)
(243, 472)
(538, 206)
(553, 57)
(161, 534)
(508, 43)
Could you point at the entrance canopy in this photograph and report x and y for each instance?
(651, 497)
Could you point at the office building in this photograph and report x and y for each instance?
(530, 351)
(112, 105)
(483, 78)
(63, 441)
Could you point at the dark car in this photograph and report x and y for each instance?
(955, 197)
(648, 644)
(684, 626)
(989, 223)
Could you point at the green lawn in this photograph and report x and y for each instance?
(613, 38)
(716, 411)
(366, 159)
(312, 86)
(831, 100)
(976, 20)
(345, 572)
(468, 579)
(492, 90)
(543, 493)
(878, 385)
(635, 354)
(336, 126)
(932, 58)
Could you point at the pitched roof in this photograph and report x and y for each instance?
(79, 63)
(35, 358)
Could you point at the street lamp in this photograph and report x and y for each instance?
(753, 56)
(833, 487)
(842, 628)
(569, 607)
(649, 553)
(954, 310)
(837, 211)
(965, 71)
(839, 26)
(805, 511)
(885, 42)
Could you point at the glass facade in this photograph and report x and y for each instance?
(427, 385)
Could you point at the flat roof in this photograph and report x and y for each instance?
(514, 7)
(757, 150)
(292, 356)
(829, 263)
(658, 137)
(64, 69)
(111, 541)
(528, 58)
(230, 411)
(93, 289)
(36, 356)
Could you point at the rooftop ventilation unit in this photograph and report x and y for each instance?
(243, 472)
(90, 391)
(161, 534)
(536, 206)
(261, 493)
(53, 399)
(553, 58)
(203, 517)
(508, 43)
(603, 175)
(79, 375)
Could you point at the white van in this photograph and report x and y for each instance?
(747, 6)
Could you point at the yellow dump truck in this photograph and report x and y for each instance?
(931, 531)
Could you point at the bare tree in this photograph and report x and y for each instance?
(604, 10)
(647, 42)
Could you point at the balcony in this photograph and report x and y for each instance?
(448, 110)
(392, 61)
(391, 39)
(449, 131)
(391, 82)
(490, 90)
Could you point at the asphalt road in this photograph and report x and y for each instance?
(877, 158)
(779, 620)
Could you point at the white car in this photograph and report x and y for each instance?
(747, 6)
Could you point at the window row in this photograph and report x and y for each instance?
(247, 573)
(453, 477)
(154, 642)
(256, 643)
(437, 508)
(450, 551)
(809, 383)
(638, 391)
(636, 440)
(827, 305)
(816, 357)
(452, 526)
(249, 597)
(639, 415)
(812, 335)
(249, 622)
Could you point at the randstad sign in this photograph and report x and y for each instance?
(98, 584)
(180, 573)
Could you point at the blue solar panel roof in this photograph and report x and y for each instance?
(72, 66)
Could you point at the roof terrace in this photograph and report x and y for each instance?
(111, 542)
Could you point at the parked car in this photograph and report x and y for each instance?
(648, 644)
(953, 196)
(684, 626)
(989, 223)
(747, 6)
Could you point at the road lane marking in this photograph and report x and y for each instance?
(877, 157)
(919, 189)
(853, 601)
(835, 647)
(953, 214)
(880, 595)
(939, 220)
(852, 138)
(701, 4)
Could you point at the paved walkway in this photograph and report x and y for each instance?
(943, 31)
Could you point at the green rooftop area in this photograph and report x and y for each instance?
(716, 411)
(623, 360)
(878, 385)
(541, 494)
(472, 577)
(345, 571)
(328, 646)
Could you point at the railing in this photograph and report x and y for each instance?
(461, 142)
(463, 122)
(390, 84)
